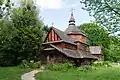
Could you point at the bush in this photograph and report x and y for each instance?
(59, 67)
(94, 66)
(65, 67)
(25, 64)
(84, 68)
(101, 64)
(31, 64)
(35, 65)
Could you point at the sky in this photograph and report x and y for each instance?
(58, 12)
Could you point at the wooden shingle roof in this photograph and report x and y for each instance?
(61, 34)
(73, 30)
(64, 37)
(74, 53)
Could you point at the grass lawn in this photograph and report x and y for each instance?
(11, 73)
(99, 74)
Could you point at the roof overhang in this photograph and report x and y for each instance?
(78, 54)
(61, 41)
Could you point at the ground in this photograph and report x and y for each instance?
(30, 75)
(11, 73)
(15, 73)
(99, 74)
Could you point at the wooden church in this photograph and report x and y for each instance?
(70, 45)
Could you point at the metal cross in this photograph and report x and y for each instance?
(72, 9)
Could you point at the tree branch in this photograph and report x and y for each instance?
(112, 8)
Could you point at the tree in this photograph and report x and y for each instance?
(105, 12)
(96, 35)
(45, 30)
(1, 9)
(30, 30)
(1, 2)
(114, 49)
(5, 8)
(99, 37)
(7, 33)
(21, 36)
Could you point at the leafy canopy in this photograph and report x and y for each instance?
(20, 36)
(105, 12)
(98, 36)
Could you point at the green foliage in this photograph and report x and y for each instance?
(5, 9)
(7, 55)
(105, 12)
(84, 68)
(25, 64)
(46, 30)
(26, 3)
(36, 65)
(100, 64)
(98, 36)
(99, 74)
(114, 49)
(68, 67)
(24, 39)
(30, 64)
(94, 66)
(59, 67)
(1, 2)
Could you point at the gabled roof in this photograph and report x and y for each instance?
(73, 30)
(63, 36)
(74, 53)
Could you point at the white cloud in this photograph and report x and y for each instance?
(72, 5)
(49, 4)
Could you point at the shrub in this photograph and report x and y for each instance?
(35, 65)
(71, 68)
(101, 64)
(31, 64)
(84, 68)
(94, 66)
(25, 64)
(59, 67)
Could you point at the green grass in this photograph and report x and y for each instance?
(99, 74)
(11, 73)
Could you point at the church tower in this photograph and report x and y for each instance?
(73, 32)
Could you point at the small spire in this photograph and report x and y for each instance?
(72, 19)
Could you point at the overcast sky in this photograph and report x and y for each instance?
(58, 12)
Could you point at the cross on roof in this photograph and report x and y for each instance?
(72, 9)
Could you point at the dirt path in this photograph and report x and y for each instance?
(30, 75)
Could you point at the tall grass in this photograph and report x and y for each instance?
(12, 73)
(99, 74)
